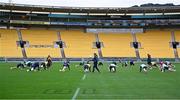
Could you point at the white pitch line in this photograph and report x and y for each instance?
(83, 78)
(75, 94)
(78, 89)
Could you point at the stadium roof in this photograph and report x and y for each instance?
(91, 3)
(99, 10)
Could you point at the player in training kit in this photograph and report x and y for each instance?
(35, 66)
(66, 64)
(95, 62)
(44, 65)
(112, 66)
(23, 65)
(149, 60)
(100, 63)
(49, 61)
(154, 64)
(167, 66)
(131, 63)
(124, 63)
(87, 67)
(143, 67)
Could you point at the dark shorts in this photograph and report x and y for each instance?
(149, 63)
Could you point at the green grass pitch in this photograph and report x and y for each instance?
(126, 83)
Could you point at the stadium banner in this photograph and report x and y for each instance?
(29, 22)
(114, 30)
(41, 46)
(27, 45)
(71, 23)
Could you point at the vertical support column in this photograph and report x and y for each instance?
(99, 49)
(61, 49)
(21, 42)
(173, 39)
(136, 49)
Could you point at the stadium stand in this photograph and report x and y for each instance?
(177, 34)
(155, 43)
(8, 44)
(79, 44)
(40, 37)
(117, 45)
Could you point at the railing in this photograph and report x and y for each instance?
(106, 59)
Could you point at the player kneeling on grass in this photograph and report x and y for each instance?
(87, 67)
(80, 64)
(46, 65)
(125, 64)
(154, 65)
(35, 66)
(112, 67)
(143, 67)
(23, 65)
(131, 63)
(66, 65)
(100, 63)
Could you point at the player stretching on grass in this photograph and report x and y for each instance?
(167, 66)
(66, 64)
(35, 66)
(143, 67)
(112, 66)
(23, 65)
(87, 67)
(95, 62)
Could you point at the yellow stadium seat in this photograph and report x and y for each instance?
(155, 43)
(80, 44)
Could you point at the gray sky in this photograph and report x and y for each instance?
(92, 3)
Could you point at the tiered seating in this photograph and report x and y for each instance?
(8, 47)
(117, 45)
(177, 34)
(40, 37)
(79, 44)
(155, 43)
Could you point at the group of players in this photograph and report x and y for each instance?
(86, 65)
(163, 66)
(35, 66)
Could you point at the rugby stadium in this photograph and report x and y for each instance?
(62, 52)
